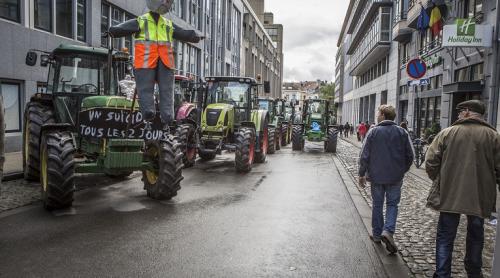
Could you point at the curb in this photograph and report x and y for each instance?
(13, 176)
(394, 265)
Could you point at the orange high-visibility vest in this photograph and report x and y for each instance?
(154, 42)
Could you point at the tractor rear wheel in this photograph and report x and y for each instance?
(278, 135)
(331, 144)
(245, 149)
(206, 156)
(271, 148)
(35, 115)
(284, 135)
(187, 137)
(260, 157)
(297, 139)
(163, 180)
(57, 169)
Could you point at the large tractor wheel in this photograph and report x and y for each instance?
(331, 144)
(57, 169)
(206, 156)
(260, 157)
(35, 115)
(163, 180)
(245, 149)
(297, 139)
(187, 137)
(278, 135)
(284, 134)
(271, 148)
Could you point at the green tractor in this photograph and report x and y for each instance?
(316, 126)
(84, 125)
(275, 123)
(230, 121)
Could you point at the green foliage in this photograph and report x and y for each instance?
(327, 91)
(433, 130)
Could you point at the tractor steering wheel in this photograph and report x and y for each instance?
(88, 85)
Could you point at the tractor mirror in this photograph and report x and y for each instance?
(44, 60)
(267, 87)
(31, 58)
(185, 84)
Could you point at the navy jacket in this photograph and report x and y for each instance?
(387, 154)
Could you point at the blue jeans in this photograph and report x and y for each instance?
(446, 233)
(392, 194)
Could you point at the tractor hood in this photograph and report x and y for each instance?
(216, 116)
(107, 102)
(316, 116)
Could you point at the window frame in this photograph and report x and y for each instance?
(51, 16)
(20, 94)
(18, 14)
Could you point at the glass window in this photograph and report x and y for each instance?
(81, 20)
(10, 9)
(104, 23)
(116, 18)
(477, 72)
(43, 15)
(11, 93)
(64, 18)
(128, 40)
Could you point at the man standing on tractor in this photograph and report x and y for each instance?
(154, 58)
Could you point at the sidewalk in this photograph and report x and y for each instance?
(416, 225)
(13, 166)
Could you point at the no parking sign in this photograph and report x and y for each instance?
(416, 68)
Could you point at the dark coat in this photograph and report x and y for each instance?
(387, 154)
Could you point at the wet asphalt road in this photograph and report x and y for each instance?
(289, 217)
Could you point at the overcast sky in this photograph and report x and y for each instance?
(311, 31)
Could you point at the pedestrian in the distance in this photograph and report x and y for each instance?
(347, 128)
(464, 163)
(357, 132)
(341, 130)
(404, 125)
(352, 129)
(362, 131)
(386, 156)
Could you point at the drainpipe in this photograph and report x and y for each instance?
(494, 98)
(494, 112)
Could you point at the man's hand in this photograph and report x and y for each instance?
(362, 182)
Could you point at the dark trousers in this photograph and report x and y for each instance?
(146, 80)
(446, 233)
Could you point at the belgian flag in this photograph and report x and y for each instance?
(436, 21)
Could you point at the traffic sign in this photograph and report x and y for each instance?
(416, 68)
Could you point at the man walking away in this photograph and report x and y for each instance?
(386, 156)
(341, 130)
(347, 128)
(464, 163)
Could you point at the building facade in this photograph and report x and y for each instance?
(45, 24)
(367, 63)
(454, 73)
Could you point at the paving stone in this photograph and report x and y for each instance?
(416, 226)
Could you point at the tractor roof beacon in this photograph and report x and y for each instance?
(84, 125)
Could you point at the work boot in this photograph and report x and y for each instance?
(388, 240)
(148, 125)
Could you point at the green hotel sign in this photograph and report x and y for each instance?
(466, 33)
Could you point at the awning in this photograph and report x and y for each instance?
(463, 87)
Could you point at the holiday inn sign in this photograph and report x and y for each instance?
(466, 33)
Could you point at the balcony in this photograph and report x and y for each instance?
(380, 49)
(414, 8)
(400, 30)
(378, 22)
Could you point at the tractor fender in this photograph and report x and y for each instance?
(248, 124)
(184, 111)
(188, 121)
(259, 117)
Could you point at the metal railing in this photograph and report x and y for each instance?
(430, 47)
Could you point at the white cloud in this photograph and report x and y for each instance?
(311, 31)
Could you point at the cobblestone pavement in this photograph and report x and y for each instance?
(416, 226)
(18, 193)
